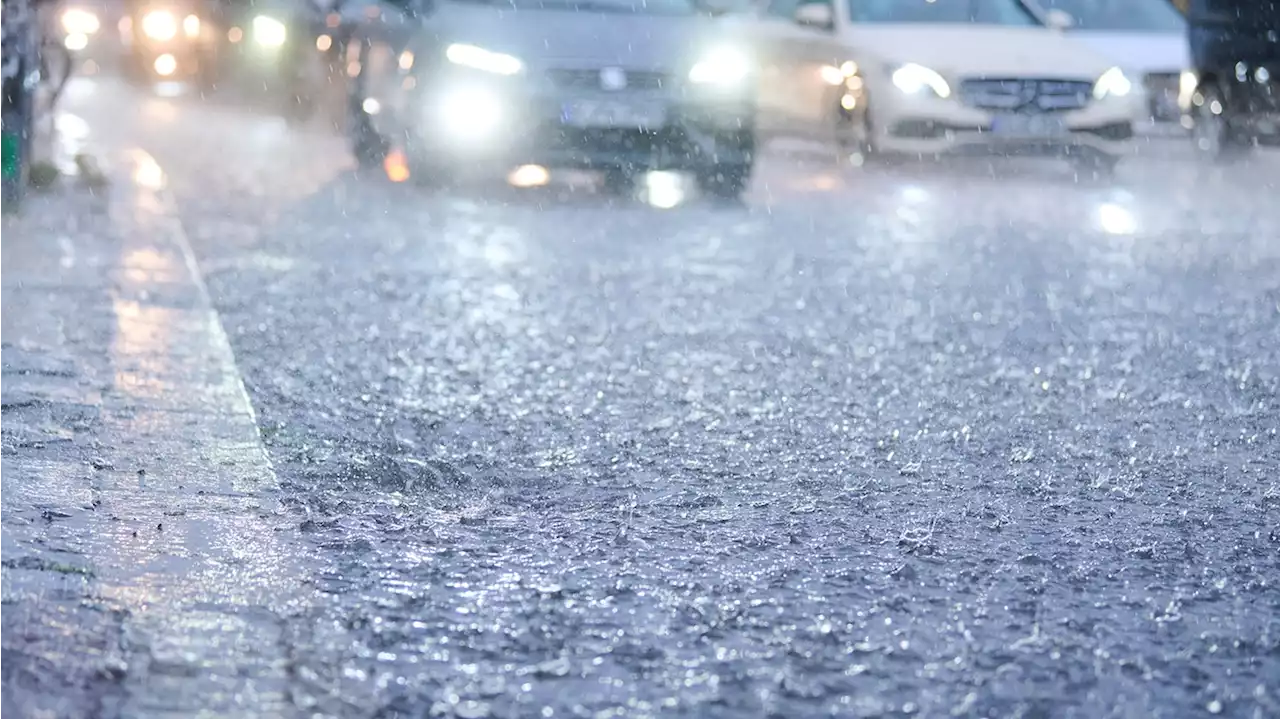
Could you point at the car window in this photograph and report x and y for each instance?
(1131, 15)
(986, 12)
(1257, 13)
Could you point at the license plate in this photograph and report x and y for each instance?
(1165, 105)
(625, 114)
(1028, 126)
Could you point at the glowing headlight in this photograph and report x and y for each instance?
(269, 32)
(1112, 83)
(159, 25)
(914, 79)
(191, 25)
(470, 113)
(722, 67)
(1188, 81)
(80, 22)
(478, 58)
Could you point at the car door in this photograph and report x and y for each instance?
(796, 73)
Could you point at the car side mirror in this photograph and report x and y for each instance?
(1059, 19)
(815, 14)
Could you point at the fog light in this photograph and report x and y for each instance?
(529, 176)
(470, 113)
(165, 65)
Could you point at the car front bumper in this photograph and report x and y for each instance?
(936, 126)
(505, 123)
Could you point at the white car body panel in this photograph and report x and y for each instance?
(960, 52)
(1142, 54)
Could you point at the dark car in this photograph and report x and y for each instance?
(268, 47)
(1232, 94)
(622, 86)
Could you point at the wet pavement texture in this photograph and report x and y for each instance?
(143, 575)
(968, 440)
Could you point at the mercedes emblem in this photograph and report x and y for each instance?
(613, 78)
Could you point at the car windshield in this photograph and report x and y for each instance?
(1249, 14)
(985, 12)
(634, 7)
(1120, 15)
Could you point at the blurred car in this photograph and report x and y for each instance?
(80, 25)
(930, 77)
(1148, 38)
(1231, 95)
(268, 48)
(168, 40)
(622, 86)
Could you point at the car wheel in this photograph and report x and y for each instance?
(430, 172)
(1211, 135)
(724, 181)
(854, 139)
(368, 147)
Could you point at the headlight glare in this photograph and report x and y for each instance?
(1188, 81)
(159, 25)
(914, 79)
(478, 58)
(80, 22)
(470, 113)
(721, 67)
(269, 32)
(1112, 83)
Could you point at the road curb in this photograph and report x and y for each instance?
(209, 637)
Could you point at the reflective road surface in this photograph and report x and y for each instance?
(980, 439)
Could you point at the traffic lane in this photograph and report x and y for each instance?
(857, 453)
(586, 454)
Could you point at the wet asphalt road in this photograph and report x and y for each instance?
(932, 441)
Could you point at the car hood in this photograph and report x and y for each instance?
(589, 39)
(1140, 52)
(968, 51)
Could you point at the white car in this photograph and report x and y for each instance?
(1148, 38)
(933, 77)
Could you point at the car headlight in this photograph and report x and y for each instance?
(478, 58)
(914, 79)
(470, 113)
(191, 25)
(269, 32)
(159, 25)
(80, 22)
(721, 67)
(1112, 83)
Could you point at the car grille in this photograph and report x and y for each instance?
(589, 79)
(1162, 95)
(1025, 95)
